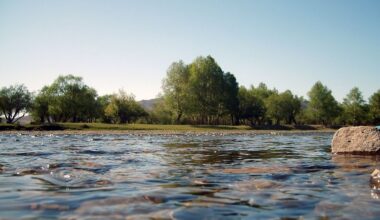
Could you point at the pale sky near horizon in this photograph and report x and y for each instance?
(130, 44)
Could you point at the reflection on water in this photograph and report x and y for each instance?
(183, 177)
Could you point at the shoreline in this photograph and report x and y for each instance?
(166, 132)
(156, 129)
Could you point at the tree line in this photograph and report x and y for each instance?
(202, 93)
(196, 93)
(68, 99)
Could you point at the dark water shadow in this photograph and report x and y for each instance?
(214, 153)
(355, 162)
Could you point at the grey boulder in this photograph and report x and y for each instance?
(356, 140)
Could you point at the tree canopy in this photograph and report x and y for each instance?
(283, 107)
(176, 88)
(354, 107)
(374, 107)
(67, 99)
(15, 101)
(201, 92)
(123, 108)
(323, 107)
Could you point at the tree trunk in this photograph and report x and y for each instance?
(179, 117)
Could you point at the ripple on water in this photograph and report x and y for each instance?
(184, 177)
(73, 178)
(31, 154)
(145, 206)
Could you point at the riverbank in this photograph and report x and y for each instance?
(101, 128)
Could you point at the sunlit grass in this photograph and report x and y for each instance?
(158, 127)
(102, 126)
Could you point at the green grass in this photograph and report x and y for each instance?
(147, 127)
(153, 127)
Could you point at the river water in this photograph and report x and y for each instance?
(188, 176)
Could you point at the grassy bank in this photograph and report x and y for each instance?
(154, 127)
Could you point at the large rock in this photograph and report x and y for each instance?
(356, 140)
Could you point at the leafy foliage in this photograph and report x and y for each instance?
(355, 108)
(15, 101)
(67, 99)
(251, 106)
(323, 107)
(206, 89)
(123, 108)
(200, 93)
(176, 88)
(283, 107)
(374, 107)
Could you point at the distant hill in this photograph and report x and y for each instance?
(25, 120)
(148, 104)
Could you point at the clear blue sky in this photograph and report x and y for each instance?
(130, 44)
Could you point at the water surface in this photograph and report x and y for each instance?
(182, 177)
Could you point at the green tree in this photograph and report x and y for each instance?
(201, 93)
(69, 99)
(88, 108)
(206, 88)
(283, 107)
(374, 107)
(292, 106)
(176, 88)
(251, 106)
(354, 107)
(230, 97)
(102, 103)
(322, 108)
(301, 116)
(262, 91)
(274, 108)
(40, 106)
(15, 101)
(123, 108)
(161, 113)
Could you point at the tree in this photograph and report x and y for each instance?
(230, 97)
(113, 110)
(301, 116)
(283, 107)
(161, 113)
(68, 99)
(206, 88)
(200, 93)
(262, 92)
(274, 108)
(374, 107)
(123, 108)
(40, 106)
(102, 102)
(251, 107)
(291, 106)
(323, 107)
(15, 101)
(354, 107)
(176, 88)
